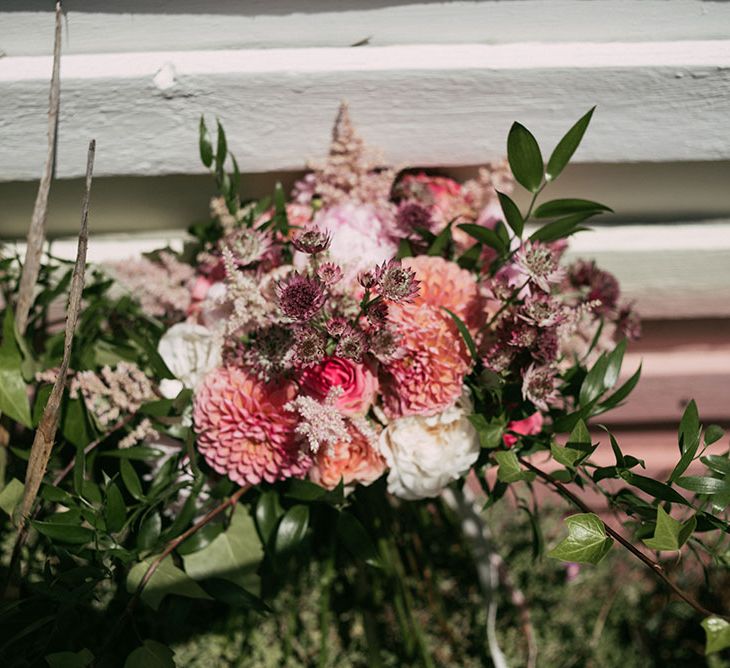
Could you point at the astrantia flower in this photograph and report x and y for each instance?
(540, 263)
(539, 386)
(384, 345)
(358, 383)
(445, 284)
(395, 282)
(353, 461)
(247, 245)
(329, 273)
(429, 375)
(367, 279)
(267, 355)
(352, 344)
(336, 326)
(300, 297)
(413, 216)
(602, 286)
(243, 430)
(377, 312)
(312, 241)
(425, 454)
(309, 346)
(190, 351)
(542, 310)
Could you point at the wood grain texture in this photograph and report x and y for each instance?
(425, 105)
(100, 26)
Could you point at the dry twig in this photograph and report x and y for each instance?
(37, 229)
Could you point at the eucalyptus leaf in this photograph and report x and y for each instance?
(587, 541)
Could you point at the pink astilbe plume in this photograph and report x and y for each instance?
(244, 430)
(429, 374)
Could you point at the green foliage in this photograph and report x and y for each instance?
(670, 534)
(509, 467)
(151, 654)
(511, 214)
(13, 395)
(586, 543)
(563, 152)
(524, 157)
(166, 580)
(718, 634)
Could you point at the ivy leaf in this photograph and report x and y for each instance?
(567, 207)
(149, 531)
(292, 529)
(13, 396)
(567, 146)
(233, 595)
(511, 213)
(717, 631)
(586, 543)
(565, 455)
(670, 534)
(152, 654)
(509, 467)
(490, 431)
(525, 159)
(233, 555)
(167, 579)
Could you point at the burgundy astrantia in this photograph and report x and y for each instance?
(329, 273)
(395, 282)
(300, 297)
(312, 241)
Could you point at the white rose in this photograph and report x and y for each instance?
(425, 454)
(190, 351)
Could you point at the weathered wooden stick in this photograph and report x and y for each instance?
(37, 230)
(46, 433)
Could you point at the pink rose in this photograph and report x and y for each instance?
(358, 382)
(528, 427)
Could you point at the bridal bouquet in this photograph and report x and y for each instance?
(309, 367)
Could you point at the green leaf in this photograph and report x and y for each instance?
(233, 555)
(149, 531)
(292, 529)
(490, 432)
(131, 479)
(356, 538)
(525, 159)
(167, 579)
(567, 146)
(441, 243)
(593, 384)
(80, 659)
(509, 467)
(567, 207)
(152, 654)
(304, 490)
(702, 485)
(206, 150)
(13, 395)
(233, 595)
(404, 249)
(717, 631)
(718, 463)
(116, 510)
(670, 534)
(136, 452)
(564, 455)
(619, 395)
(689, 425)
(470, 258)
(280, 215)
(511, 213)
(713, 433)
(580, 436)
(653, 487)
(484, 235)
(613, 367)
(64, 533)
(560, 228)
(221, 148)
(465, 334)
(268, 512)
(11, 495)
(586, 543)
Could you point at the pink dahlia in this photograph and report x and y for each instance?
(429, 373)
(353, 461)
(358, 382)
(445, 284)
(243, 429)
